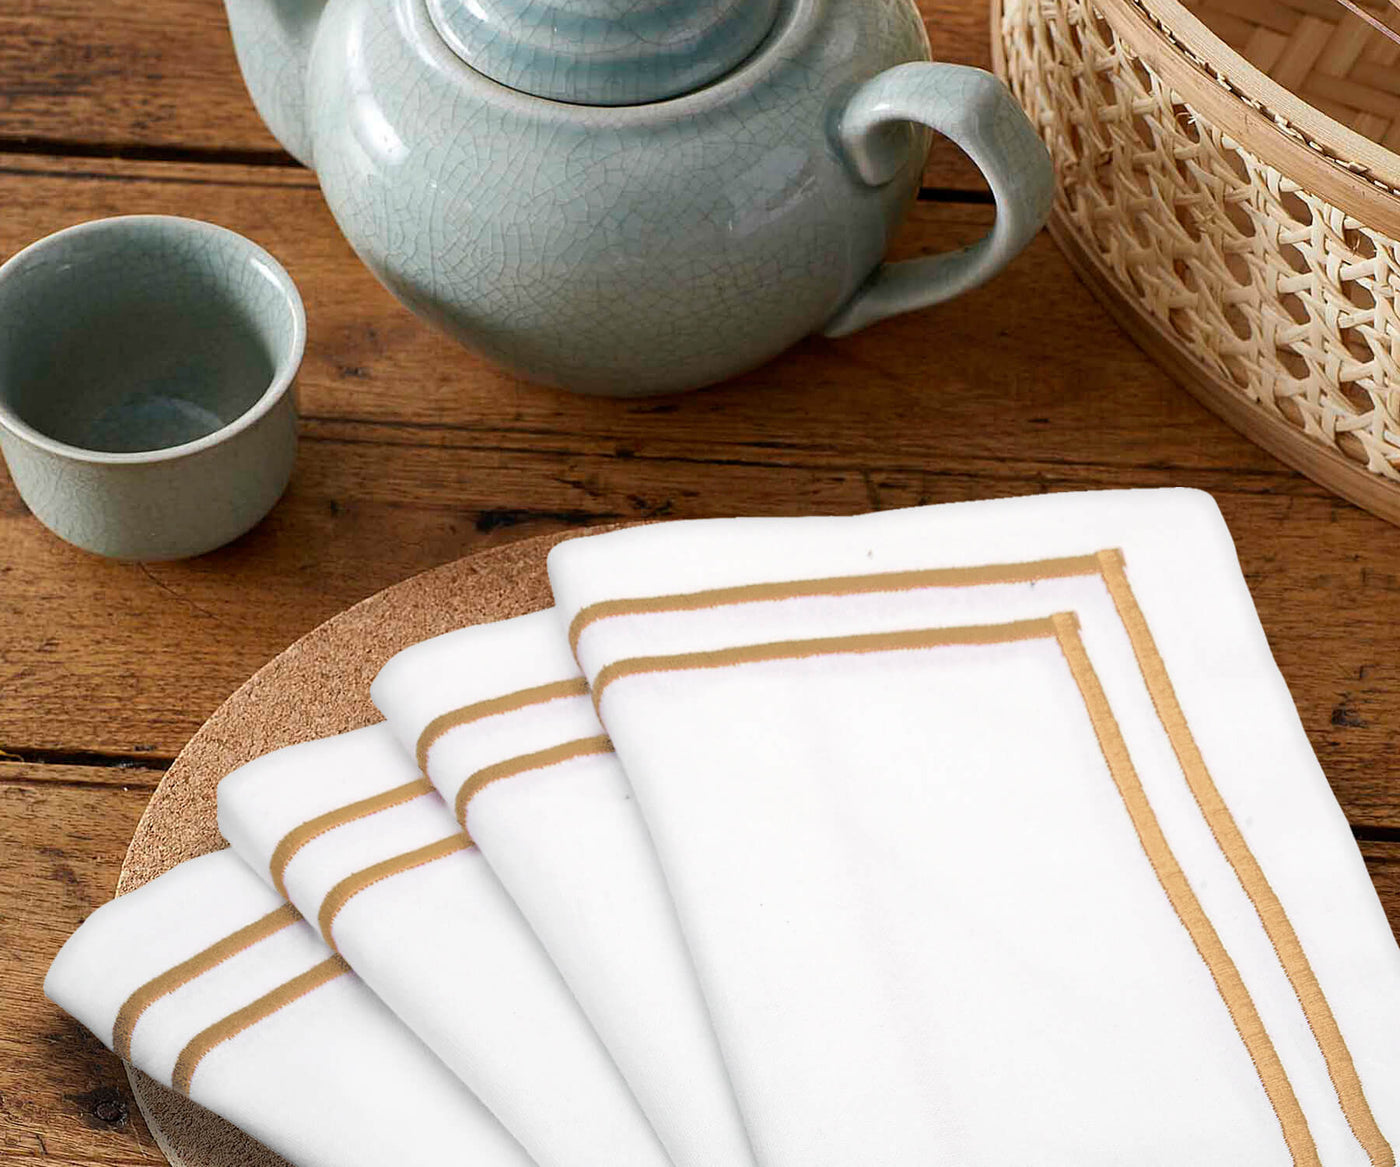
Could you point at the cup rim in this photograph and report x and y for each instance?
(282, 379)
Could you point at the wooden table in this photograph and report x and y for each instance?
(414, 452)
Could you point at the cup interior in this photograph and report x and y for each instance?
(138, 334)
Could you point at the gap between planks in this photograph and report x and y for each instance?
(139, 152)
(60, 149)
(87, 775)
(795, 456)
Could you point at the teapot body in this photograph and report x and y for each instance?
(612, 249)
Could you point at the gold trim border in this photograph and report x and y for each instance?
(839, 585)
(1228, 982)
(524, 764)
(1232, 843)
(298, 837)
(349, 887)
(1063, 629)
(1110, 566)
(206, 1040)
(187, 970)
(509, 703)
(821, 646)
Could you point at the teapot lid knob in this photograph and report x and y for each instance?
(604, 52)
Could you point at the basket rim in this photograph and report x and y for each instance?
(1347, 145)
(1324, 157)
(1326, 465)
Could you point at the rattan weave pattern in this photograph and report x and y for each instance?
(1328, 56)
(1266, 287)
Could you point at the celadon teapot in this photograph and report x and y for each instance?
(636, 196)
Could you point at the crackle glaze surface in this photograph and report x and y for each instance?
(613, 249)
(145, 372)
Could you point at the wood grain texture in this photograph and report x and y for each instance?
(1383, 862)
(125, 775)
(415, 452)
(63, 1097)
(160, 79)
(160, 74)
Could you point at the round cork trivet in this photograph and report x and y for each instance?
(317, 687)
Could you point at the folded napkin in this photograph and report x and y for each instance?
(995, 835)
(501, 722)
(208, 982)
(358, 840)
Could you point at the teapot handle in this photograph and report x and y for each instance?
(979, 114)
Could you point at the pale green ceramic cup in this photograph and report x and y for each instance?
(146, 368)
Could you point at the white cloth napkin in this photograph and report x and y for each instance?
(207, 981)
(500, 720)
(349, 830)
(995, 835)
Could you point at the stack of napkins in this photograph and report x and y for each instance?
(980, 834)
(212, 985)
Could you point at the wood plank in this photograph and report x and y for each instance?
(434, 454)
(975, 379)
(124, 775)
(162, 76)
(414, 452)
(63, 1097)
(80, 666)
(157, 75)
(1383, 862)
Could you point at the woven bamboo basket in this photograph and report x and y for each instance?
(1229, 186)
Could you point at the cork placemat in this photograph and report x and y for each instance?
(317, 687)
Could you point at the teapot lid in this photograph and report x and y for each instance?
(603, 52)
